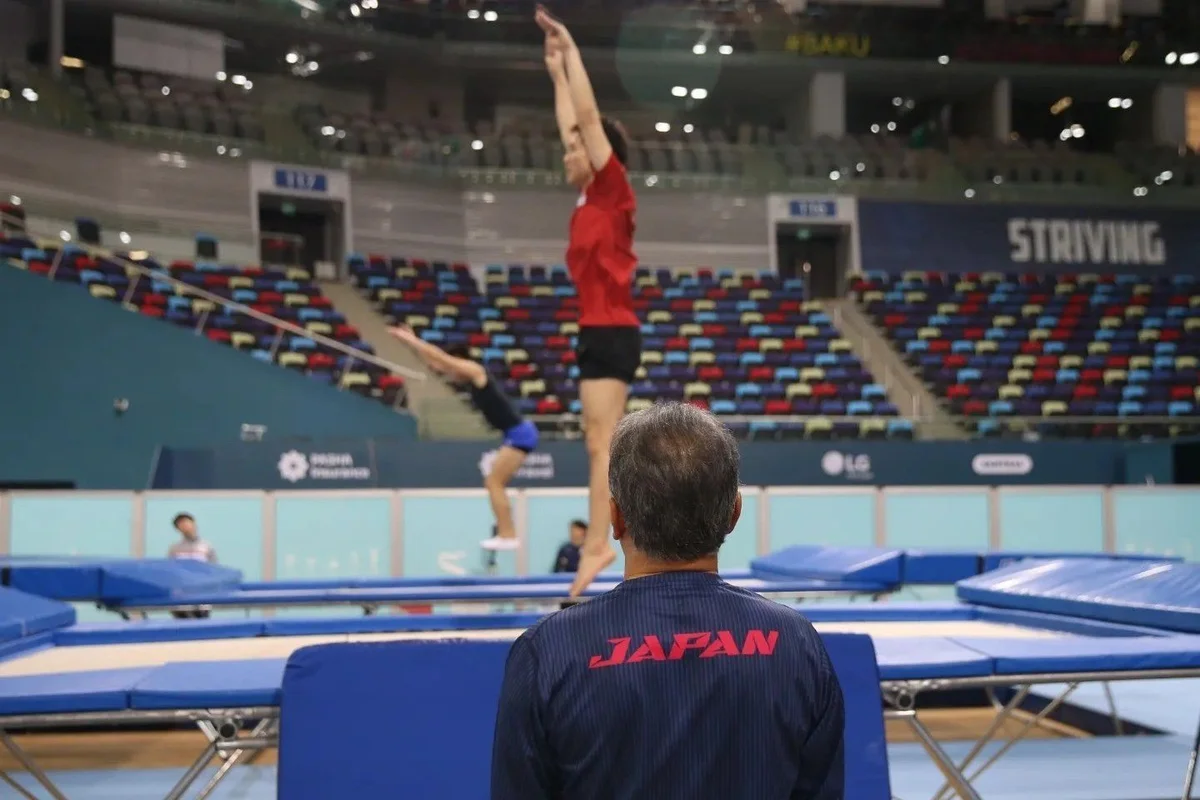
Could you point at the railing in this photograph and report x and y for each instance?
(282, 327)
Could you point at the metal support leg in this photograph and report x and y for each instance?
(1002, 715)
(33, 769)
(1117, 722)
(18, 788)
(954, 776)
(193, 772)
(1190, 777)
(263, 729)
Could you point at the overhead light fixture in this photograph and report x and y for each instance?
(662, 127)
(699, 94)
(313, 66)
(293, 57)
(473, 13)
(166, 90)
(897, 101)
(355, 11)
(891, 126)
(969, 193)
(221, 76)
(835, 175)
(875, 128)
(699, 48)
(725, 49)
(679, 91)
(238, 80)
(328, 130)
(125, 237)
(943, 60)
(70, 62)
(1078, 131)
(477, 144)
(1171, 58)
(1188, 59)
(490, 16)
(1140, 191)
(1062, 105)
(29, 94)
(688, 128)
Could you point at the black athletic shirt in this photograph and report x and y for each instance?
(494, 406)
(676, 686)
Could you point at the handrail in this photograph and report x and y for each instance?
(919, 419)
(186, 289)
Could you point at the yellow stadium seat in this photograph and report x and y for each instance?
(751, 317)
(1064, 288)
(697, 389)
(929, 333)
(1039, 335)
(1115, 376)
(638, 404)
(818, 425)
(569, 329)
(101, 290)
(1024, 361)
(1148, 335)
(1010, 392)
(702, 357)
(295, 299)
(351, 379)
(869, 426)
(646, 280)
(759, 294)
(319, 328)
(299, 274)
(446, 311)
(767, 345)
(241, 339)
(947, 308)
(241, 282)
(840, 346)
(1053, 408)
(985, 346)
(640, 374)
(1135, 311)
(915, 297)
(541, 291)
(1097, 348)
(1185, 362)
(387, 295)
(507, 302)
(532, 387)
(516, 356)
(1141, 362)
(872, 296)
(418, 321)
(989, 278)
(652, 357)
(1031, 310)
(494, 326)
(965, 286)
(658, 317)
(1003, 321)
(200, 305)
(292, 360)
(913, 276)
(690, 329)
(1191, 324)
(1071, 362)
(806, 331)
(798, 390)
(1020, 375)
(812, 375)
(405, 272)
(812, 306)
(704, 305)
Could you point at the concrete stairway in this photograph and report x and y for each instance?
(441, 413)
(904, 388)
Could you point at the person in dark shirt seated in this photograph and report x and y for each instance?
(520, 435)
(567, 559)
(675, 685)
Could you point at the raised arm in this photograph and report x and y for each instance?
(583, 98)
(438, 359)
(564, 106)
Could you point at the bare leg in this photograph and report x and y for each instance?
(504, 467)
(603, 406)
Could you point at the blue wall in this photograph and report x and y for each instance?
(997, 237)
(66, 356)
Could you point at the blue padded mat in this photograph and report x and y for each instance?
(32, 614)
(446, 695)
(993, 561)
(391, 623)
(174, 630)
(1152, 594)
(211, 684)
(862, 564)
(71, 692)
(1081, 654)
(414, 719)
(156, 578)
(888, 612)
(446, 580)
(939, 568)
(53, 578)
(918, 657)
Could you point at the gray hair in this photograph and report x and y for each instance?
(673, 472)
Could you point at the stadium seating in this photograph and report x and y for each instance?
(993, 346)
(205, 107)
(740, 345)
(288, 295)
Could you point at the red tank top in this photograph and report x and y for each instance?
(600, 254)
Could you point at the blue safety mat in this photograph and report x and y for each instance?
(939, 568)
(390, 720)
(1160, 594)
(924, 657)
(173, 630)
(70, 692)
(852, 564)
(888, 612)
(447, 580)
(58, 579)
(211, 684)
(417, 719)
(1082, 654)
(156, 578)
(993, 561)
(23, 614)
(397, 623)
(866, 762)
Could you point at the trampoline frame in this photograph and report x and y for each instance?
(902, 695)
(222, 727)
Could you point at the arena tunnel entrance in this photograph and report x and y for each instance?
(300, 231)
(817, 254)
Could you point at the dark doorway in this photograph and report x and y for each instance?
(299, 231)
(814, 254)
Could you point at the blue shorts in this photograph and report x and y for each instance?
(523, 437)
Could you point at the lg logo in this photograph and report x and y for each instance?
(856, 467)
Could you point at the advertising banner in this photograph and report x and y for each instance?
(363, 463)
(983, 237)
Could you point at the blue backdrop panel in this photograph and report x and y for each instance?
(390, 720)
(416, 719)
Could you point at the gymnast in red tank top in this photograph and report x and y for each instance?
(601, 260)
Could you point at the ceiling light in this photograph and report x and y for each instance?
(221, 76)
(477, 144)
(473, 13)
(293, 58)
(860, 167)
(943, 60)
(1140, 191)
(125, 237)
(64, 235)
(699, 48)
(997, 180)
(699, 94)
(238, 80)
(662, 127)
(29, 94)
(355, 11)
(897, 101)
(833, 176)
(313, 66)
(688, 128)
(327, 130)
(679, 91)
(1114, 102)
(1187, 59)
(1171, 58)
(875, 128)
(969, 193)
(1126, 103)
(166, 90)
(891, 126)
(248, 85)
(725, 49)
(16, 201)
(490, 16)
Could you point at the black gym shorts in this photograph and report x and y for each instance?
(609, 351)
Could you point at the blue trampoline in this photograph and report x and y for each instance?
(417, 692)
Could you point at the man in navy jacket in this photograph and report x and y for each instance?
(675, 685)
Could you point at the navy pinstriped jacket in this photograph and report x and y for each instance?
(675, 686)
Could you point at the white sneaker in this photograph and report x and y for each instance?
(498, 543)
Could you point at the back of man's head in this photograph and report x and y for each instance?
(673, 473)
